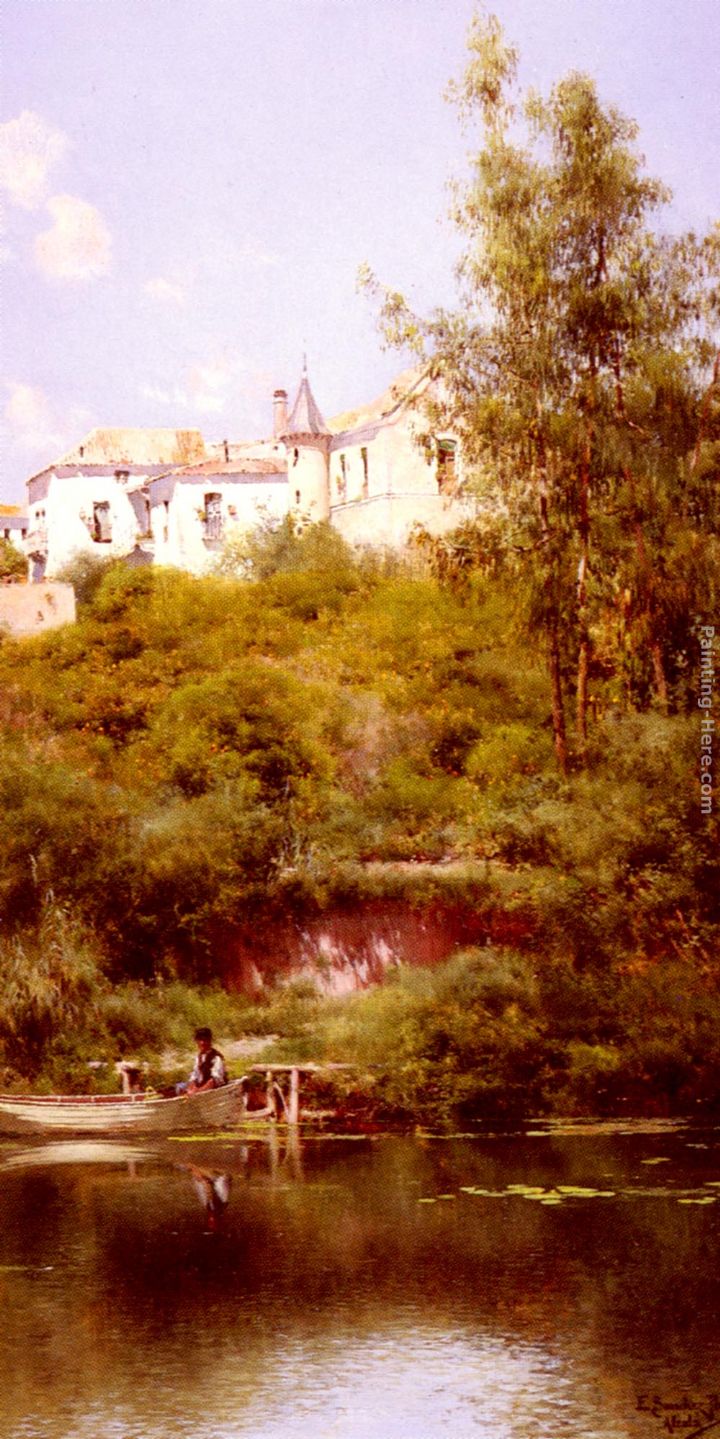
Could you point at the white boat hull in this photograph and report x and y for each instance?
(124, 1114)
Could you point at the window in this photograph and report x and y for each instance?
(212, 518)
(166, 521)
(365, 483)
(342, 479)
(445, 464)
(102, 523)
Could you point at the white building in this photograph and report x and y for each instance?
(13, 526)
(385, 474)
(168, 495)
(95, 499)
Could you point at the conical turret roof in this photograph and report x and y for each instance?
(305, 417)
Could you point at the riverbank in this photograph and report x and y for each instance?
(489, 1034)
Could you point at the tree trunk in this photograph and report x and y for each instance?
(558, 708)
(656, 654)
(581, 690)
(581, 697)
(660, 676)
(556, 693)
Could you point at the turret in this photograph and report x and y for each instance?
(307, 440)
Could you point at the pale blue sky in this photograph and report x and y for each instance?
(192, 185)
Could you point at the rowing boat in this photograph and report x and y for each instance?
(143, 1113)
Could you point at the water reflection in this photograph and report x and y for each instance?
(327, 1298)
(213, 1192)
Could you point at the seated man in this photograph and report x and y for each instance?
(209, 1069)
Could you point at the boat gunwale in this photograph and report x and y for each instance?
(144, 1097)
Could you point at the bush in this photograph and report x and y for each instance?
(287, 546)
(459, 1041)
(251, 721)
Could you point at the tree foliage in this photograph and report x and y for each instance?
(13, 565)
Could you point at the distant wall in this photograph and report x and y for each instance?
(388, 519)
(32, 609)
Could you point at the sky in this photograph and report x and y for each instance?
(190, 186)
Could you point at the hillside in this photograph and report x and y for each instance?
(199, 770)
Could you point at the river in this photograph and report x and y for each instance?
(560, 1282)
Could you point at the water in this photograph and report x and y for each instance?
(326, 1288)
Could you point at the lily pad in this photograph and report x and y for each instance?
(486, 1193)
(581, 1192)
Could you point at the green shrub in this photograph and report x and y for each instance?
(286, 546)
(462, 1040)
(251, 720)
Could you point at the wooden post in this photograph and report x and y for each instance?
(130, 1076)
(294, 1110)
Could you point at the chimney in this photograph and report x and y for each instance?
(226, 448)
(280, 413)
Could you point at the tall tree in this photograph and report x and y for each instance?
(550, 363)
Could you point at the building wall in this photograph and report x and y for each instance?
(32, 609)
(14, 530)
(388, 519)
(377, 498)
(178, 507)
(62, 518)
